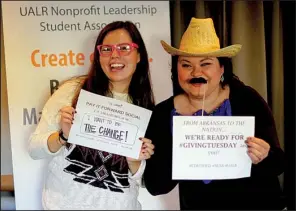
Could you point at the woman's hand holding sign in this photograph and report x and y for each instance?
(67, 117)
(258, 149)
(146, 152)
(54, 141)
(147, 149)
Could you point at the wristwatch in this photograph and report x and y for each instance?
(61, 135)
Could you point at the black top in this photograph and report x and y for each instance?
(260, 191)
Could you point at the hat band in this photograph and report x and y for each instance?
(199, 50)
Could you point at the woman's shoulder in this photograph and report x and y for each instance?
(68, 88)
(167, 104)
(71, 85)
(241, 91)
(74, 81)
(244, 97)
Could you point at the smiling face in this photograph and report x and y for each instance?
(206, 69)
(117, 67)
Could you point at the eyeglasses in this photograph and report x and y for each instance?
(123, 49)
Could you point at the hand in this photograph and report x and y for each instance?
(146, 151)
(258, 149)
(67, 117)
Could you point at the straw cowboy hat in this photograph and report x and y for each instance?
(200, 39)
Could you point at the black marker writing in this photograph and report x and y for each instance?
(90, 128)
(114, 134)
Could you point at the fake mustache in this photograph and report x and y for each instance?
(198, 80)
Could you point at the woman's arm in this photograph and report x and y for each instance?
(158, 173)
(137, 174)
(44, 141)
(54, 142)
(265, 129)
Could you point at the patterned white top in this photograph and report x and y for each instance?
(78, 179)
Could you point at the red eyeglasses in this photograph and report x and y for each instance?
(123, 49)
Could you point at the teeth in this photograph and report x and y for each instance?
(117, 65)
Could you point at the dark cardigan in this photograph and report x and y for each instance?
(260, 191)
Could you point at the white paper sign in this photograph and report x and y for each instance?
(211, 147)
(108, 124)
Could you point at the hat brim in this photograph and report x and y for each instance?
(229, 51)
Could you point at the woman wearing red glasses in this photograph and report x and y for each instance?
(83, 178)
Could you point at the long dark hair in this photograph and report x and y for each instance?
(223, 61)
(140, 86)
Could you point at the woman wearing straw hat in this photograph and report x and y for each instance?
(207, 86)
